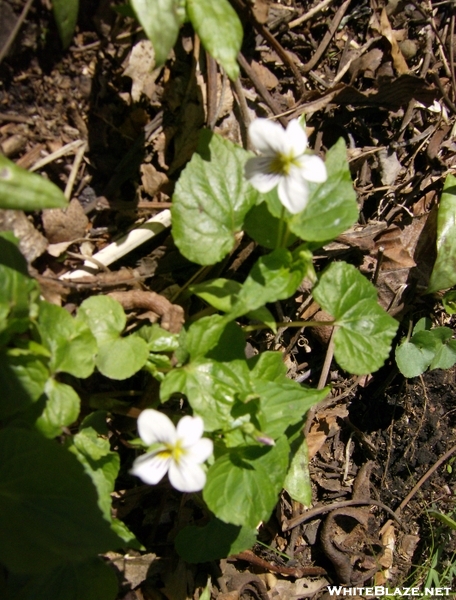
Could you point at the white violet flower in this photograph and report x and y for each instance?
(180, 451)
(284, 162)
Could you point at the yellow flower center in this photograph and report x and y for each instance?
(173, 451)
(281, 164)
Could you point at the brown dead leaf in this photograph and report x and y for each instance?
(65, 224)
(386, 30)
(266, 76)
(31, 243)
(367, 64)
(151, 179)
(324, 426)
(301, 588)
(134, 569)
(140, 69)
(390, 166)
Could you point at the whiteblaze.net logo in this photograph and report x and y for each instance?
(380, 591)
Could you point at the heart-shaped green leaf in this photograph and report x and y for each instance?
(211, 200)
(365, 331)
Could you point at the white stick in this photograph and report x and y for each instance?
(124, 245)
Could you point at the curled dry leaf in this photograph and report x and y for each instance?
(398, 58)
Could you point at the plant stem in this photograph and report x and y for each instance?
(280, 231)
(248, 328)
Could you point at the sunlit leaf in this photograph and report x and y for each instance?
(161, 20)
(444, 272)
(211, 200)
(22, 190)
(365, 331)
(220, 31)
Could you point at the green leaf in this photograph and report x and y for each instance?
(243, 485)
(283, 404)
(211, 388)
(158, 339)
(365, 331)
(100, 464)
(215, 338)
(123, 357)
(48, 506)
(105, 317)
(62, 408)
(211, 200)
(445, 356)
(70, 341)
(427, 348)
(414, 357)
(268, 366)
(118, 357)
(220, 31)
(444, 272)
(445, 519)
(161, 21)
(264, 227)
(214, 541)
(332, 206)
(23, 377)
(92, 579)
(297, 482)
(275, 276)
(222, 295)
(18, 291)
(66, 17)
(449, 302)
(22, 190)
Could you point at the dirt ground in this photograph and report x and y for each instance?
(382, 76)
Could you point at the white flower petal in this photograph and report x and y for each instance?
(268, 137)
(257, 172)
(200, 451)
(313, 168)
(293, 192)
(190, 430)
(186, 476)
(154, 426)
(296, 138)
(151, 467)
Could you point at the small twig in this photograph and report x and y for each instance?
(243, 107)
(425, 477)
(328, 361)
(283, 54)
(211, 93)
(309, 14)
(380, 255)
(321, 510)
(15, 30)
(327, 38)
(447, 100)
(63, 151)
(261, 88)
(74, 170)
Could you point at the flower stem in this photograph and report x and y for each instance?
(279, 243)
